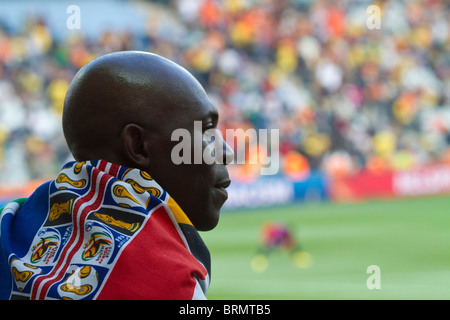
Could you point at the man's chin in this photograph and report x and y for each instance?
(209, 222)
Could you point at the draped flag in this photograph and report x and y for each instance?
(100, 231)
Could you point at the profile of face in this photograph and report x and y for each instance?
(199, 188)
(140, 99)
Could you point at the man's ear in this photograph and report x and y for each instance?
(135, 145)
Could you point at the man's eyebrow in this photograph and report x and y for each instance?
(213, 114)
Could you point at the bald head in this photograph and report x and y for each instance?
(118, 89)
(123, 107)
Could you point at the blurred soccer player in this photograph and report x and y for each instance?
(278, 236)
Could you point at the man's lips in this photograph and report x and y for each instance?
(223, 184)
(221, 187)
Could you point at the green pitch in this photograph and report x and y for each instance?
(409, 240)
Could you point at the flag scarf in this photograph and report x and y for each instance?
(100, 231)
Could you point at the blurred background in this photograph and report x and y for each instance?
(363, 117)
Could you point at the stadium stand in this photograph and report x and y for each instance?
(345, 98)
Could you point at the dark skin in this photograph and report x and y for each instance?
(123, 108)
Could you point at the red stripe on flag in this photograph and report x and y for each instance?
(59, 269)
(155, 265)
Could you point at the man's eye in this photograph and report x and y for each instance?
(208, 126)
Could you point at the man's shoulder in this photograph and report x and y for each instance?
(15, 202)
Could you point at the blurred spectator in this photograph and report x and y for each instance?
(344, 97)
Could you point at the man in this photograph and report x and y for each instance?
(279, 236)
(121, 221)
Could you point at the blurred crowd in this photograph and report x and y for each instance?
(344, 97)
